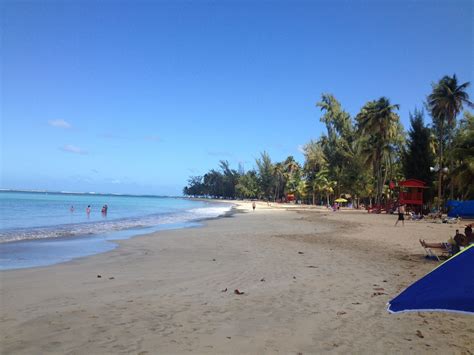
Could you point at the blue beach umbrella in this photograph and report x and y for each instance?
(448, 288)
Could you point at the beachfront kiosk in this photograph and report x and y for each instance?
(411, 194)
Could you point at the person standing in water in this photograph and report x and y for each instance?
(104, 210)
(71, 209)
(88, 210)
(401, 215)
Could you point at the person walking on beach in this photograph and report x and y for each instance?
(401, 215)
(253, 205)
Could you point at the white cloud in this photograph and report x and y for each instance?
(73, 149)
(59, 124)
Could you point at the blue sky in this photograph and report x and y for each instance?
(135, 96)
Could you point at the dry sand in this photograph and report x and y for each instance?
(314, 281)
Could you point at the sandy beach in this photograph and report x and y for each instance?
(314, 281)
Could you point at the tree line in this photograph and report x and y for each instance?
(357, 157)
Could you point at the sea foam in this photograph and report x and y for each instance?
(107, 226)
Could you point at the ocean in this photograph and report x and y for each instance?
(44, 228)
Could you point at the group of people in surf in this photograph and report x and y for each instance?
(89, 209)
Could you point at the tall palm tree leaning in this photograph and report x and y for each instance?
(279, 175)
(445, 103)
(378, 126)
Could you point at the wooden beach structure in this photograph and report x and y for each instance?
(411, 194)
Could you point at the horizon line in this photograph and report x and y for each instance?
(86, 193)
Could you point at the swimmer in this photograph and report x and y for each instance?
(104, 210)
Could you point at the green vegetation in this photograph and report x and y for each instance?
(419, 154)
(357, 157)
(445, 102)
(463, 158)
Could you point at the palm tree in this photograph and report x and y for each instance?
(315, 161)
(322, 184)
(291, 165)
(379, 127)
(265, 174)
(338, 143)
(315, 158)
(302, 190)
(463, 153)
(338, 121)
(279, 177)
(290, 174)
(247, 186)
(445, 102)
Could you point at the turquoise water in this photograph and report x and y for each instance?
(38, 229)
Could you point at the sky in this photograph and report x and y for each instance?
(136, 96)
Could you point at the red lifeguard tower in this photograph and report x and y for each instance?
(411, 193)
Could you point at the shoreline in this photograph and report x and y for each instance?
(30, 252)
(163, 291)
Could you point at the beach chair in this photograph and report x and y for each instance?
(451, 220)
(444, 250)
